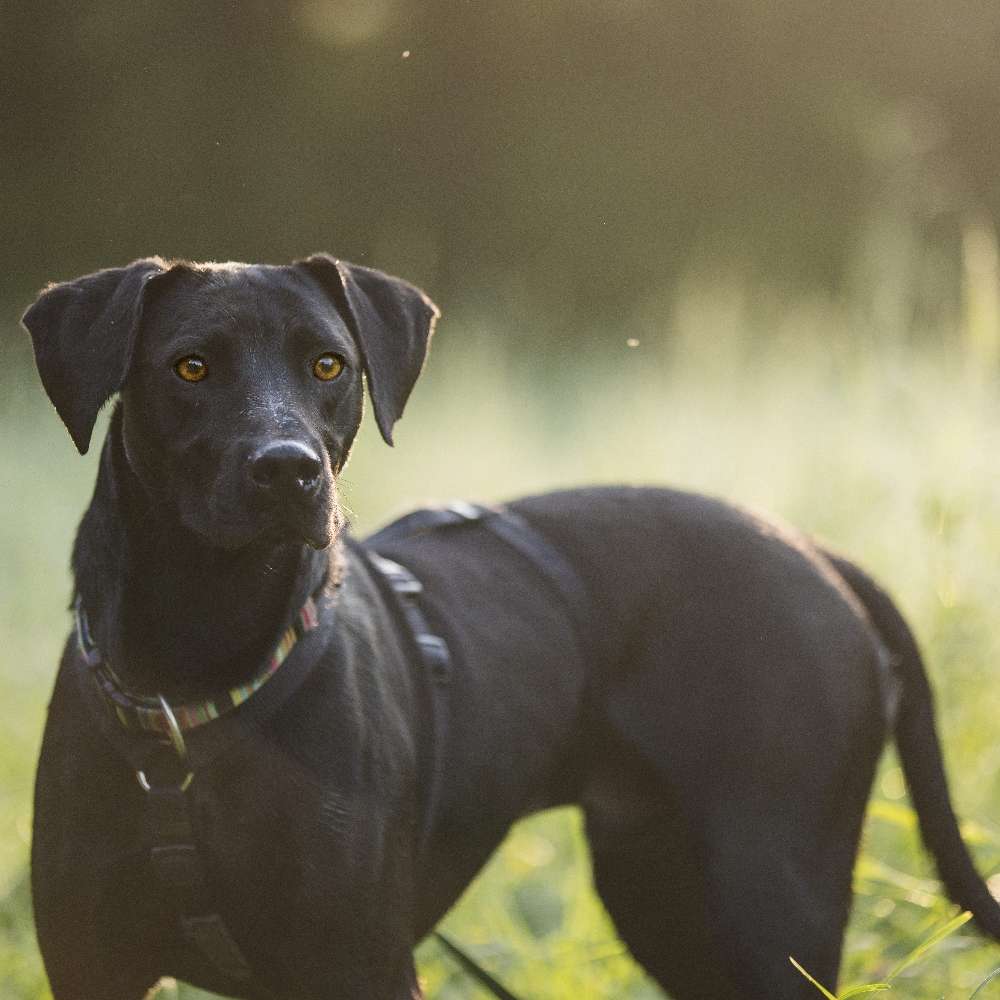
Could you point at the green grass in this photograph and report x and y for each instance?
(889, 454)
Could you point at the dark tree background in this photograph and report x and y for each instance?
(551, 163)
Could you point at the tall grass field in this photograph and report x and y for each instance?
(890, 452)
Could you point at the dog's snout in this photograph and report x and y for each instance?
(288, 467)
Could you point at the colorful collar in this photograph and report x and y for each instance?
(153, 714)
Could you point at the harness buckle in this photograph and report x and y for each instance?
(435, 652)
(400, 579)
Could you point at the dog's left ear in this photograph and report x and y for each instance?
(391, 322)
(83, 332)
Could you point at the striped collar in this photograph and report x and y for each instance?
(153, 714)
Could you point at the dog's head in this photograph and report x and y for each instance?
(241, 384)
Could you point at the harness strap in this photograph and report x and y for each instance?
(435, 658)
(544, 558)
(514, 529)
(180, 870)
(473, 968)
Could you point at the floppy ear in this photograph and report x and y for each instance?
(83, 332)
(391, 322)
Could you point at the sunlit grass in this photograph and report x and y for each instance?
(889, 454)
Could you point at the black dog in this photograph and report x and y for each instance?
(326, 756)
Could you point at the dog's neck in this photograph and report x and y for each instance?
(171, 614)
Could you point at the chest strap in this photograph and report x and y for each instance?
(179, 868)
(435, 665)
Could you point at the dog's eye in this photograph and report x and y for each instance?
(192, 368)
(327, 367)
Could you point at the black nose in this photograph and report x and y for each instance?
(287, 467)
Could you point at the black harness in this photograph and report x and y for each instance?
(430, 649)
(166, 761)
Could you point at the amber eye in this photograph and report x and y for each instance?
(327, 367)
(191, 369)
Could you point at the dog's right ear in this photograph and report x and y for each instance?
(84, 332)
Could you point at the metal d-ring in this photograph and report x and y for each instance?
(176, 741)
(144, 784)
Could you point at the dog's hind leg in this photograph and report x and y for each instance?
(650, 883)
(713, 908)
(726, 801)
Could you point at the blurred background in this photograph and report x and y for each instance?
(743, 246)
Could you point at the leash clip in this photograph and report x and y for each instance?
(177, 742)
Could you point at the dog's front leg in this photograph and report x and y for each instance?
(88, 897)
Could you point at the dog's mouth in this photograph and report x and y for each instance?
(234, 522)
(316, 521)
(317, 527)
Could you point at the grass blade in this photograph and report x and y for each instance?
(925, 946)
(818, 985)
(856, 991)
(989, 979)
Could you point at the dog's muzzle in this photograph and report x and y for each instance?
(288, 481)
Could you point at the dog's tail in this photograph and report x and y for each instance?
(920, 753)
